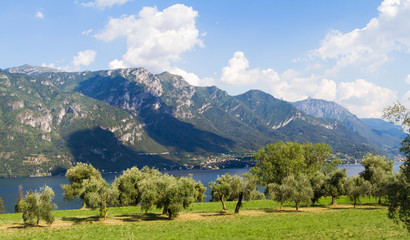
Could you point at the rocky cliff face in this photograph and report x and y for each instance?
(119, 118)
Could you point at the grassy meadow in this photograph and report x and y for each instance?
(257, 220)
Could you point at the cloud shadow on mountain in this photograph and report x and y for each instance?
(104, 151)
(160, 124)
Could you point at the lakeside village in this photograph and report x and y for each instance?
(246, 161)
(211, 162)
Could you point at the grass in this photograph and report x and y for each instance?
(257, 220)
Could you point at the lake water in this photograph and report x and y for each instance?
(9, 186)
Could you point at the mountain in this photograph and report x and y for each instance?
(119, 118)
(370, 129)
(31, 70)
(382, 127)
(43, 130)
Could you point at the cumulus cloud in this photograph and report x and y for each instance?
(155, 39)
(326, 90)
(407, 80)
(365, 99)
(289, 85)
(104, 3)
(84, 58)
(369, 47)
(39, 14)
(238, 72)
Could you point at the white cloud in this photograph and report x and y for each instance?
(84, 58)
(191, 78)
(39, 14)
(289, 85)
(104, 3)
(326, 90)
(362, 98)
(369, 47)
(365, 99)
(155, 39)
(238, 73)
(407, 80)
(405, 100)
(51, 65)
(86, 32)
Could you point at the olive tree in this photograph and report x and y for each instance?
(357, 187)
(170, 193)
(37, 206)
(96, 192)
(174, 194)
(378, 171)
(229, 188)
(246, 189)
(334, 184)
(299, 189)
(317, 181)
(222, 189)
(129, 184)
(76, 175)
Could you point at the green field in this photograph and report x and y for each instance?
(257, 220)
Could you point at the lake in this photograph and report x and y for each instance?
(9, 186)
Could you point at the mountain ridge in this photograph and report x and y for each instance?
(164, 120)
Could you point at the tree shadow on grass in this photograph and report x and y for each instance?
(273, 210)
(78, 220)
(358, 207)
(220, 213)
(24, 225)
(137, 217)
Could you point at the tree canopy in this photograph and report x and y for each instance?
(76, 175)
(37, 206)
(277, 161)
(398, 192)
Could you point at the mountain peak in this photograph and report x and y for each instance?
(31, 70)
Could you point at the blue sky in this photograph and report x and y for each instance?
(356, 53)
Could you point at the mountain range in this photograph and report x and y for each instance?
(119, 118)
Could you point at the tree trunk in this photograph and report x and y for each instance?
(165, 210)
(223, 203)
(239, 204)
(170, 214)
(380, 199)
(84, 206)
(297, 206)
(333, 200)
(105, 213)
(38, 220)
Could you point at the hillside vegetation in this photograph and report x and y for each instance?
(120, 118)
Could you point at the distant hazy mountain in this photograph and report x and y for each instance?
(380, 126)
(378, 131)
(124, 117)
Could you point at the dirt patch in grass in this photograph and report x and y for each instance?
(125, 219)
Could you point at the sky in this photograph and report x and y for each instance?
(356, 53)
